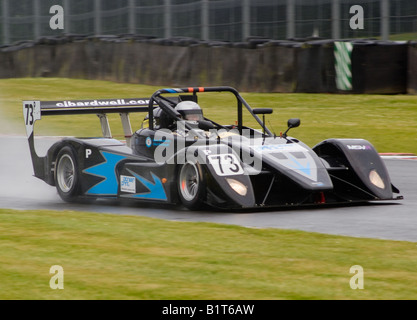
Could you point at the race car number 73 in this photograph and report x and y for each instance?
(31, 113)
(226, 164)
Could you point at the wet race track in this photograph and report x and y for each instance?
(396, 220)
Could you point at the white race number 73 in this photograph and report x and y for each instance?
(226, 164)
(31, 113)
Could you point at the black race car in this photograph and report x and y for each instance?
(179, 156)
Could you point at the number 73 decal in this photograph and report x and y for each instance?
(226, 164)
(31, 113)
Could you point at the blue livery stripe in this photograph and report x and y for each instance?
(106, 170)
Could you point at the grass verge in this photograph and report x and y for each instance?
(130, 257)
(389, 122)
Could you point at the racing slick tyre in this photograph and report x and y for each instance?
(66, 175)
(191, 185)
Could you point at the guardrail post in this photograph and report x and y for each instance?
(5, 18)
(36, 19)
(205, 34)
(132, 16)
(385, 19)
(245, 19)
(167, 19)
(97, 17)
(290, 19)
(67, 13)
(336, 19)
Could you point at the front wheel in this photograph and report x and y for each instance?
(66, 175)
(191, 185)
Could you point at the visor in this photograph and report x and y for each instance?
(192, 115)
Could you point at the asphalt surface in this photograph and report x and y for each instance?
(395, 220)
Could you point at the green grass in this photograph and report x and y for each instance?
(389, 122)
(129, 257)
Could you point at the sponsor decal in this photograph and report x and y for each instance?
(148, 142)
(270, 148)
(103, 103)
(161, 142)
(157, 142)
(358, 147)
(127, 184)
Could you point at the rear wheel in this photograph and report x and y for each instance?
(191, 185)
(66, 175)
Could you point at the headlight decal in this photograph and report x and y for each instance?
(376, 179)
(237, 186)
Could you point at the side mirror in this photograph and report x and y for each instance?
(294, 123)
(205, 125)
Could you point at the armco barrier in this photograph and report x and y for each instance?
(276, 70)
(316, 67)
(412, 68)
(379, 67)
(260, 65)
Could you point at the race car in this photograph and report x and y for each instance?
(179, 156)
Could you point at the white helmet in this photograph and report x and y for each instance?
(190, 111)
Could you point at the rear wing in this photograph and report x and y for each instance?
(35, 110)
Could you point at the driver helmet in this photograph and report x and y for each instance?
(190, 111)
